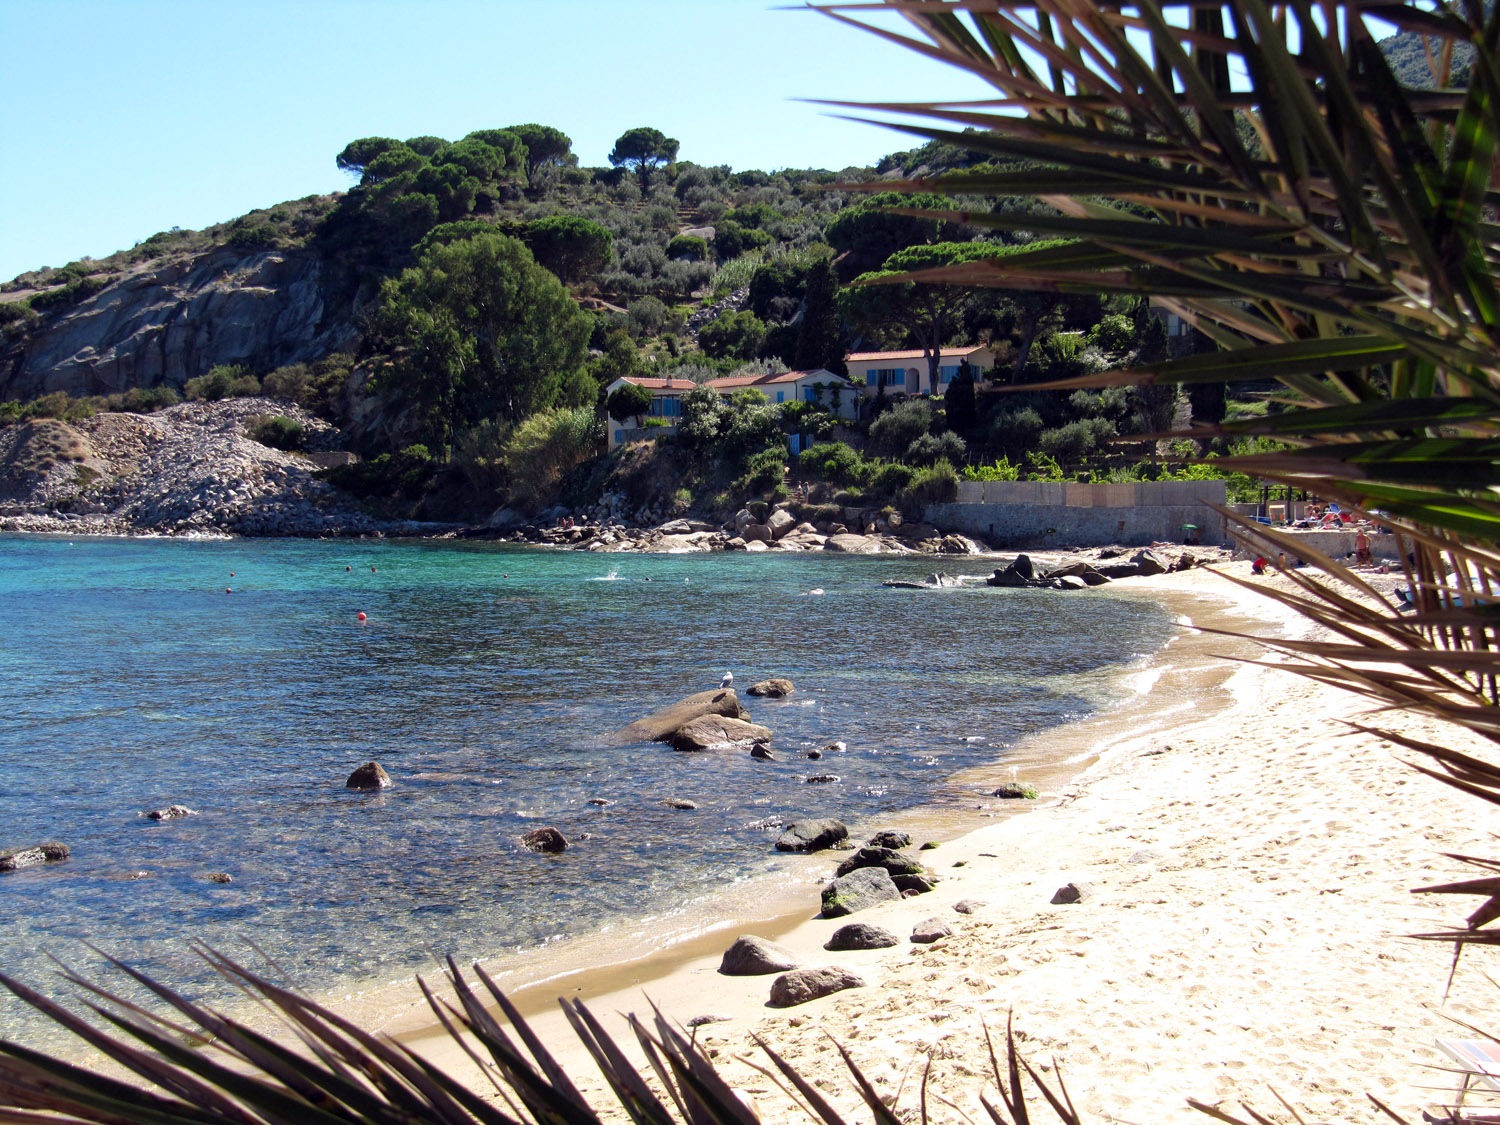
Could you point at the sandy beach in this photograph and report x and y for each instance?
(1250, 863)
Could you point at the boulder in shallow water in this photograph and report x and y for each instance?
(811, 835)
(751, 956)
(658, 727)
(548, 840)
(858, 890)
(772, 689)
(889, 838)
(801, 985)
(171, 812)
(368, 777)
(680, 803)
(16, 858)
(710, 731)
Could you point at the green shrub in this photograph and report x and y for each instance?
(764, 470)
(224, 381)
(390, 476)
(894, 431)
(849, 498)
(833, 461)
(937, 484)
(1000, 470)
(739, 335)
(546, 446)
(890, 478)
(276, 430)
(148, 400)
(932, 448)
(688, 246)
(479, 453)
(262, 236)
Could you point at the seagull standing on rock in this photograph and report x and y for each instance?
(727, 681)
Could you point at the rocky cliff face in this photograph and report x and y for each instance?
(168, 322)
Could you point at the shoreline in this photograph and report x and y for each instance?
(1190, 972)
(1058, 760)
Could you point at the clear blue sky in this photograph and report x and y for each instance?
(121, 118)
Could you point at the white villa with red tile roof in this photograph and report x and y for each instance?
(818, 385)
(906, 372)
(666, 404)
(840, 395)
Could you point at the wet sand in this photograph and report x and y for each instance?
(1250, 862)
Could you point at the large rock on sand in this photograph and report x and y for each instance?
(657, 727)
(755, 956)
(891, 860)
(801, 985)
(714, 731)
(859, 890)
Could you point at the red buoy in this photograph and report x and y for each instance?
(227, 590)
(361, 615)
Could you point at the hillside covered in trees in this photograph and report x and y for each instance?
(461, 310)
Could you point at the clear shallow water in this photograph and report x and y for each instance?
(483, 680)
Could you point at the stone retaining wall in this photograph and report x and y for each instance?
(1041, 514)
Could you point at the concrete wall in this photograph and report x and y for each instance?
(1047, 514)
(1334, 544)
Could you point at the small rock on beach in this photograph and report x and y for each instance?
(801, 985)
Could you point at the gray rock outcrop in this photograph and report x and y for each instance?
(169, 321)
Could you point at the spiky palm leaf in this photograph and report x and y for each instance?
(1259, 170)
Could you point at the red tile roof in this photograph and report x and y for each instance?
(729, 382)
(865, 357)
(661, 384)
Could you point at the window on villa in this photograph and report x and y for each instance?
(948, 374)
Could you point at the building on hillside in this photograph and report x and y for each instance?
(819, 385)
(837, 394)
(666, 405)
(906, 372)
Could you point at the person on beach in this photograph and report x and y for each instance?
(1361, 548)
(1258, 567)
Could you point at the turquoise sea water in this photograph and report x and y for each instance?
(482, 679)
